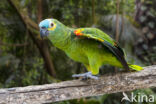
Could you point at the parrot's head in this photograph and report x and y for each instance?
(50, 27)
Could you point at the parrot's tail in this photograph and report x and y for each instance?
(135, 67)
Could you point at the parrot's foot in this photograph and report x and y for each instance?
(86, 76)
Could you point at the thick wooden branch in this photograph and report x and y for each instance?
(77, 88)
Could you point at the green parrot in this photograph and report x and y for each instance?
(89, 46)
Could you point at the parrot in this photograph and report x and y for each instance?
(89, 46)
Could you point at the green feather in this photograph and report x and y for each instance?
(90, 46)
(136, 67)
(92, 33)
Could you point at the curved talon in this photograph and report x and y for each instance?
(86, 75)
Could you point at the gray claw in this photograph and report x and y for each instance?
(86, 75)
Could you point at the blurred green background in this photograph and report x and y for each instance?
(26, 59)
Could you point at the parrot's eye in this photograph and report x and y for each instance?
(51, 25)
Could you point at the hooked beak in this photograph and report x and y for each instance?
(44, 32)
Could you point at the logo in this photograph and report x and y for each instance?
(137, 98)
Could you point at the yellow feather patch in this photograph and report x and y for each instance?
(136, 67)
(52, 28)
(101, 40)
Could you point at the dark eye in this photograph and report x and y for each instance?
(51, 24)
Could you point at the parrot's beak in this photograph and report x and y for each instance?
(44, 32)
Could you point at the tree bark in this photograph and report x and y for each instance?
(39, 12)
(80, 88)
(117, 20)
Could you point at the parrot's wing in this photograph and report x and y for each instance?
(97, 35)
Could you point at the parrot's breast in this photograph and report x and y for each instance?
(76, 53)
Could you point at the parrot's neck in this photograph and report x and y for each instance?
(62, 39)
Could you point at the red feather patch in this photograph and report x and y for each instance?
(78, 32)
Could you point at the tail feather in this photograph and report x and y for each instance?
(135, 67)
(118, 52)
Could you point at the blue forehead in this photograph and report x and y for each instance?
(44, 23)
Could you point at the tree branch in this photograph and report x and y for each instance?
(39, 12)
(41, 44)
(117, 20)
(77, 89)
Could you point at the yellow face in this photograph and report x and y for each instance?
(52, 25)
